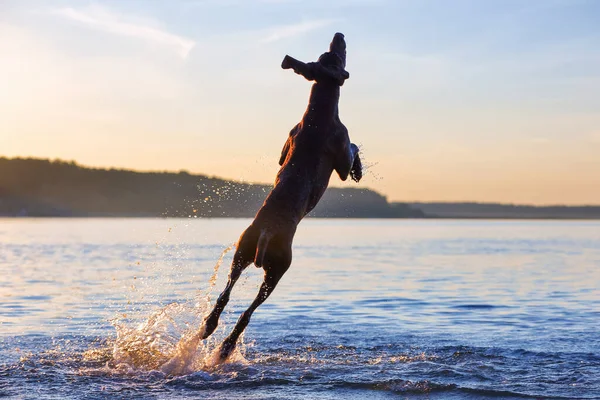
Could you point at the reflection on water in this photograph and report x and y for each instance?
(374, 308)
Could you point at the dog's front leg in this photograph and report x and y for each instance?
(356, 172)
(348, 163)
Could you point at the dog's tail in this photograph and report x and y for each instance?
(261, 247)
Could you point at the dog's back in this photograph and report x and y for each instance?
(305, 172)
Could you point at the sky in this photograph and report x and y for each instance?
(490, 101)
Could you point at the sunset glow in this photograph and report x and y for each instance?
(465, 101)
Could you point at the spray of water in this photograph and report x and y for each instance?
(170, 339)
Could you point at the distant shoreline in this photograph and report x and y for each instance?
(469, 210)
(42, 188)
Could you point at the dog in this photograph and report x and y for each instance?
(316, 147)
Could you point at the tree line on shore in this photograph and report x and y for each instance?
(55, 188)
(40, 187)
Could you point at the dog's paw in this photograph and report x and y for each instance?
(225, 350)
(356, 172)
(356, 175)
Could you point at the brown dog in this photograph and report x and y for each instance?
(316, 147)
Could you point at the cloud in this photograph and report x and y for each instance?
(99, 18)
(539, 140)
(286, 31)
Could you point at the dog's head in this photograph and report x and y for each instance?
(335, 58)
(329, 68)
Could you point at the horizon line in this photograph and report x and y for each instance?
(142, 171)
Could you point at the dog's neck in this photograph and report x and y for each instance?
(323, 102)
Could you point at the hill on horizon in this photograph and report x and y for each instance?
(471, 210)
(41, 187)
(45, 188)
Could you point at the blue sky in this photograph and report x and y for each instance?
(449, 100)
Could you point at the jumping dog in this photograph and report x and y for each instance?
(316, 147)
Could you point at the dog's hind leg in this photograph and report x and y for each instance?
(212, 320)
(182, 358)
(275, 267)
(267, 287)
(242, 258)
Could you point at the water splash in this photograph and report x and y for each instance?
(169, 340)
(213, 279)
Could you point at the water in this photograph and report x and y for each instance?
(375, 309)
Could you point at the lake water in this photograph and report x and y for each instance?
(378, 309)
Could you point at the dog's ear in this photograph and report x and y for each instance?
(339, 75)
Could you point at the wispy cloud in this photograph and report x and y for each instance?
(539, 140)
(286, 31)
(101, 19)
